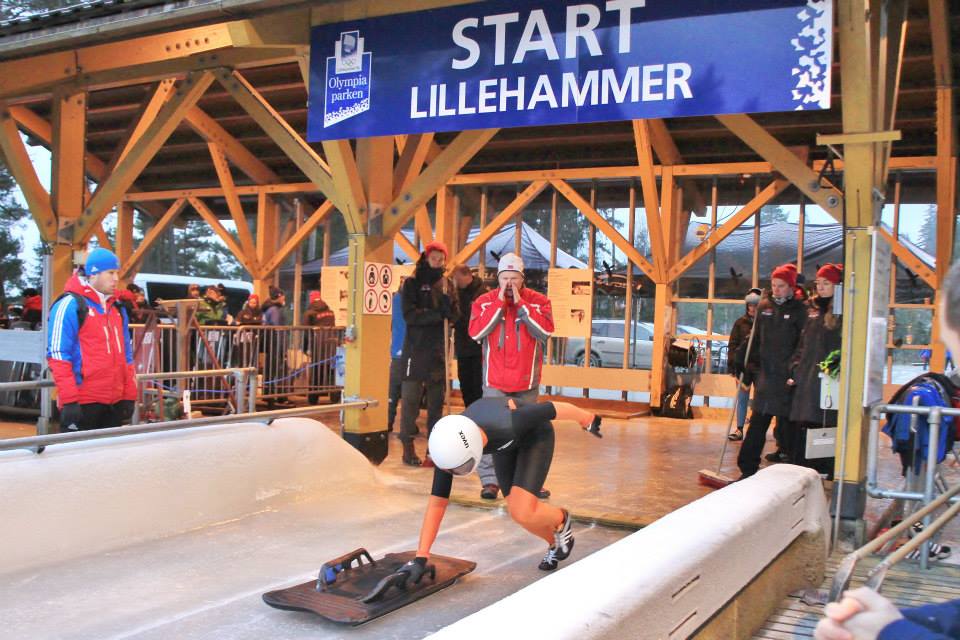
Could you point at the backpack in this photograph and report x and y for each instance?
(82, 306)
(676, 402)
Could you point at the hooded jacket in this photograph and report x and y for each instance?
(425, 307)
(514, 335)
(318, 314)
(92, 363)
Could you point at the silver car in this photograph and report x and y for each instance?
(606, 346)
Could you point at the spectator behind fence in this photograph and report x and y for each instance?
(318, 313)
(320, 345)
(275, 351)
(821, 336)
(468, 351)
(863, 614)
(780, 319)
(251, 312)
(514, 324)
(193, 291)
(736, 354)
(427, 302)
(273, 309)
(213, 308)
(398, 332)
(32, 307)
(89, 351)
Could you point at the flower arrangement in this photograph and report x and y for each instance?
(830, 366)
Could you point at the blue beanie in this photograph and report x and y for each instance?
(101, 260)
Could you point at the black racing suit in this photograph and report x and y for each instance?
(521, 441)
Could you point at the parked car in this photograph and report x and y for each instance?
(606, 346)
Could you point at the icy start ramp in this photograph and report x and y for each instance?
(179, 534)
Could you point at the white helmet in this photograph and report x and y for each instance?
(456, 444)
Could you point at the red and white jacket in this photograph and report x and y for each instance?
(514, 337)
(92, 363)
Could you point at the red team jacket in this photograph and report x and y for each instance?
(92, 363)
(513, 336)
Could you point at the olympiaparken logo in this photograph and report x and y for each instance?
(347, 91)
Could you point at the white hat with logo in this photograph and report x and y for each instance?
(510, 262)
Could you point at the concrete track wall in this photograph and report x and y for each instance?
(83, 498)
(669, 579)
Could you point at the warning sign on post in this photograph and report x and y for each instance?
(378, 288)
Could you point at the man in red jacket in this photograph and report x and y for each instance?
(89, 350)
(514, 324)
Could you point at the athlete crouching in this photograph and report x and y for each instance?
(521, 441)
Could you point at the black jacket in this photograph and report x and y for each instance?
(737, 344)
(424, 308)
(464, 345)
(816, 343)
(776, 338)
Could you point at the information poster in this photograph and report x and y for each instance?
(571, 296)
(334, 291)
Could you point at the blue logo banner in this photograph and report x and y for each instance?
(516, 63)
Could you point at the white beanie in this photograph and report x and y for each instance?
(753, 296)
(510, 262)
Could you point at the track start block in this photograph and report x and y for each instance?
(352, 591)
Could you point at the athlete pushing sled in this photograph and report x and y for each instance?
(521, 441)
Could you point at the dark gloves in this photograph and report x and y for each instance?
(446, 307)
(594, 428)
(124, 410)
(414, 570)
(70, 417)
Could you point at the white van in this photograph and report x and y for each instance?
(166, 287)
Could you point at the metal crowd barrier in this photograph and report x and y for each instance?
(289, 360)
(39, 443)
(935, 417)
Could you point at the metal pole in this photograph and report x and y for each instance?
(846, 400)
(252, 391)
(40, 442)
(933, 422)
(240, 387)
(46, 397)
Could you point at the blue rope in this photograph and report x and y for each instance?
(296, 373)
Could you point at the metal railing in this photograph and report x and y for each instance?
(39, 443)
(934, 416)
(289, 360)
(233, 389)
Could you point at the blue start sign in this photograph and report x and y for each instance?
(513, 63)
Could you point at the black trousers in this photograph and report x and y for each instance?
(756, 437)
(470, 373)
(99, 416)
(393, 392)
(410, 394)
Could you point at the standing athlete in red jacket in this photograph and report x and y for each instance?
(91, 359)
(514, 324)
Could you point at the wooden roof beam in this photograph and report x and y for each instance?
(318, 216)
(162, 224)
(168, 118)
(248, 260)
(235, 150)
(299, 152)
(21, 168)
(444, 167)
(233, 200)
(784, 161)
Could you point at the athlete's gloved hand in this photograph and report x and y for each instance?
(414, 570)
(594, 427)
(70, 417)
(124, 410)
